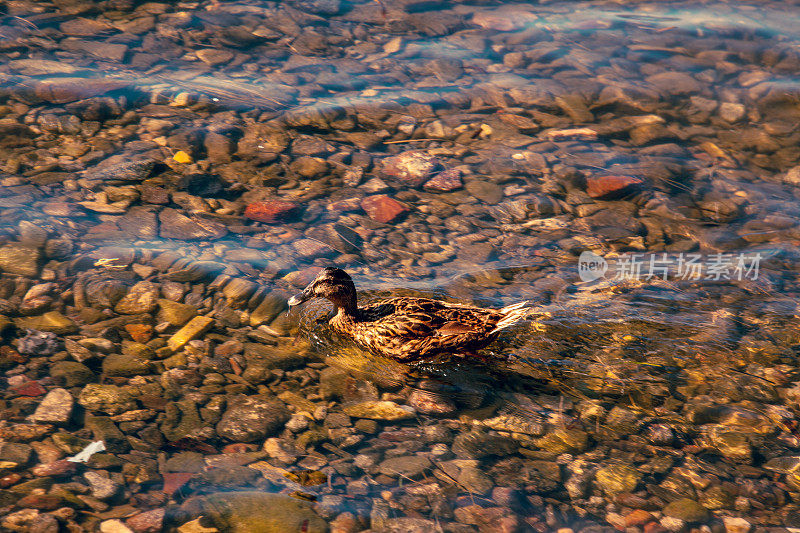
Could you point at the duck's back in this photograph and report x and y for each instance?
(407, 328)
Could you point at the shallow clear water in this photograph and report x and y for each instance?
(628, 130)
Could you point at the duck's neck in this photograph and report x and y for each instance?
(346, 308)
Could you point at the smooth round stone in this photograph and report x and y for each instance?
(687, 510)
(615, 479)
(410, 466)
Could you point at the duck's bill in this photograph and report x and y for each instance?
(297, 299)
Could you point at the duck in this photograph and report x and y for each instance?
(409, 329)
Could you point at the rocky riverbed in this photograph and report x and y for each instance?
(171, 172)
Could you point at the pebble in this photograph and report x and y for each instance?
(444, 181)
(55, 408)
(486, 191)
(212, 57)
(141, 298)
(102, 488)
(114, 526)
(234, 511)
(19, 259)
(687, 510)
(412, 168)
(429, 403)
(407, 466)
(251, 418)
(147, 522)
(379, 410)
(382, 208)
(611, 187)
(193, 329)
(736, 525)
(616, 479)
(109, 399)
(270, 211)
(174, 225)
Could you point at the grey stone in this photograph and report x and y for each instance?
(254, 418)
(102, 487)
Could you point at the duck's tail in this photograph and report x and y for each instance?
(512, 314)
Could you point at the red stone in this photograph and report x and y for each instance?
(9, 480)
(382, 209)
(43, 502)
(270, 211)
(29, 388)
(239, 447)
(612, 186)
(147, 522)
(412, 167)
(62, 467)
(655, 527)
(175, 480)
(140, 332)
(637, 517)
(444, 181)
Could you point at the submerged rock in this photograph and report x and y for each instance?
(141, 298)
(378, 410)
(382, 208)
(109, 399)
(614, 479)
(52, 321)
(612, 187)
(56, 408)
(249, 419)
(255, 512)
(412, 168)
(687, 510)
(38, 343)
(271, 211)
(19, 259)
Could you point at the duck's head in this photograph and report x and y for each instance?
(332, 283)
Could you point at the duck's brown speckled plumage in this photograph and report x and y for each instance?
(409, 329)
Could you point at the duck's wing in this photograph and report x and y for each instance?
(419, 327)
